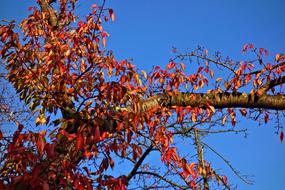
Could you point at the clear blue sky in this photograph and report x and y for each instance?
(146, 30)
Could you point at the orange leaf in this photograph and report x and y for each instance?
(43, 133)
(277, 57)
(219, 79)
(212, 73)
(70, 90)
(182, 66)
(193, 117)
(40, 144)
(170, 65)
(88, 103)
(123, 79)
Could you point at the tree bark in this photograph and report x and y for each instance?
(217, 100)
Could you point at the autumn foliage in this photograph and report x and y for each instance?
(95, 111)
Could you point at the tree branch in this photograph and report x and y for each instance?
(271, 84)
(201, 159)
(229, 164)
(160, 177)
(217, 100)
(137, 165)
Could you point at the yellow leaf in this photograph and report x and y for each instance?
(212, 73)
(41, 119)
(227, 85)
(144, 74)
(67, 53)
(219, 79)
(140, 82)
(212, 109)
(74, 66)
(110, 72)
(193, 117)
(224, 120)
(277, 57)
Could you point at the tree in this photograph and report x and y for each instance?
(96, 111)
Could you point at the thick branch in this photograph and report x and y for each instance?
(217, 100)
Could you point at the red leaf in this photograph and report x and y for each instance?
(66, 134)
(106, 19)
(261, 50)
(1, 135)
(111, 13)
(244, 49)
(97, 134)
(282, 136)
(104, 34)
(170, 65)
(79, 141)
(225, 179)
(243, 112)
(49, 148)
(35, 174)
(86, 170)
(200, 69)
(266, 117)
(20, 127)
(45, 186)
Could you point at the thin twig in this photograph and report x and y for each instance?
(229, 164)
